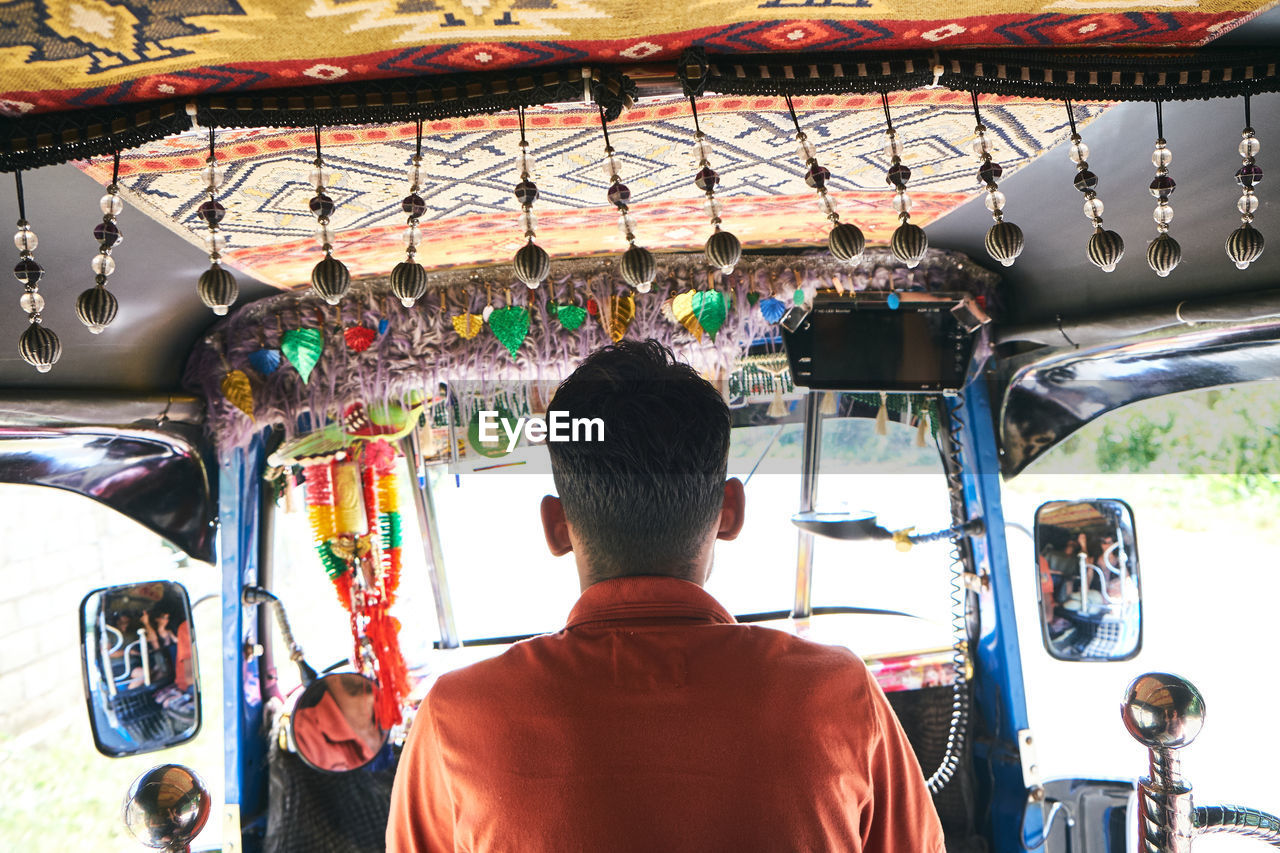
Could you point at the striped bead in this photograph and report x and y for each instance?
(1106, 248)
(909, 244)
(330, 279)
(846, 242)
(408, 282)
(532, 265)
(639, 268)
(723, 251)
(1245, 245)
(1004, 242)
(1163, 254)
(96, 308)
(218, 289)
(40, 347)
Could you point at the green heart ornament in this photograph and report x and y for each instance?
(711, 308)
(303, 348)
(571, 317)
(753, 298)
(510, 325)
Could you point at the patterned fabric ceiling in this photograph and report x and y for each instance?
(71, 54)
(472, 214)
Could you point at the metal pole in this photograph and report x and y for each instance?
(426, 507)
(808, 495)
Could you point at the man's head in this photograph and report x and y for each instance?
(651, 498)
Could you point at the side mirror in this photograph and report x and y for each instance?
(333, 724)
(1089, 585)
(141, 678)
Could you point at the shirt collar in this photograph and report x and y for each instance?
(645, 598)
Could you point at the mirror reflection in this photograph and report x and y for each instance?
(333, 723)
(141, 678)
(1090, 596)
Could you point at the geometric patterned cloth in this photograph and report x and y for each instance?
(70, 54)
(471, 214)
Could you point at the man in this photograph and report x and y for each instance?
(654, 722)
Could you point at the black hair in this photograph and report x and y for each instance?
(643, 499)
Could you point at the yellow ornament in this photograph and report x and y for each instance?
(238, 391)
(467, 325)
(622, 310)
(682, 307)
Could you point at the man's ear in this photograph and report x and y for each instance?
(554, 526)
(733, 511)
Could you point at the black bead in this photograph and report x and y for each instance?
(817, 176)
(619, 194)
(413, 205)
(321, 206)
(1004, 242)
(28, 271)
(1163, 254)
(1162, 187)
(107, 233)
(408, 282)
(909, 244)
(330, 279)
(218, 289)
(526, 192)
(1106, 248)
(96, 308)
(846, 242)
(638, 266)
(211, 212)
(1249, 175)
(899, 175)
(39, 347)
(531, 264)
(1245, 245)
(989, 172)
(1086, 180)
(706, 179)
(723, 251)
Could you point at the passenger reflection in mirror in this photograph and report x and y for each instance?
(654, 721)
(336, 729)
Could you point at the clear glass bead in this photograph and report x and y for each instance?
(216, 241)
(713, 208)
(902, 203)
(1162, 156)
(323, 235)
(1078, 152)
(212, 175)
(626, 224)
(701, 149)
(612, 167)
(111, 205)
(1163, 214)
(1248, 203)
(1093, 207)
(994, 200)
(1250, 146)
(412, 236)
(892, 146)
(525, 164)
(32, 302)
(26, 240)
(805, 150)
(981, 145)
(528, 222)
(103, 264)
(319, 176)
(825, 204)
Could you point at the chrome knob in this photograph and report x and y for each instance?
(1162, 710)
(167, 807)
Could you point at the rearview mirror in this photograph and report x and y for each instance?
(141, 680)
(333, 723)
(1089, 590)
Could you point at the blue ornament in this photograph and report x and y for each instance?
(383, 325)
(893, 300)
(772, 309)
(265, 361)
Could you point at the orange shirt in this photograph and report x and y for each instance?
(655, 722)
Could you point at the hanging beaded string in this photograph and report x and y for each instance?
(39, 346)
(329, 279)
(1004, 239)
(1163, 253)
(909, 243)
(1106, 248)
(723, 250)
(532, 266)
(217, 288)
(638, 266)
(408, 278)
(97, 306)
(845, 241)
(1245, 244)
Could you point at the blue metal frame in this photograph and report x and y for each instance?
(244, 746)
(1000, 693)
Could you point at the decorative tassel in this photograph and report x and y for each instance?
(882, 417)
(828, 407)
(777, 407)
